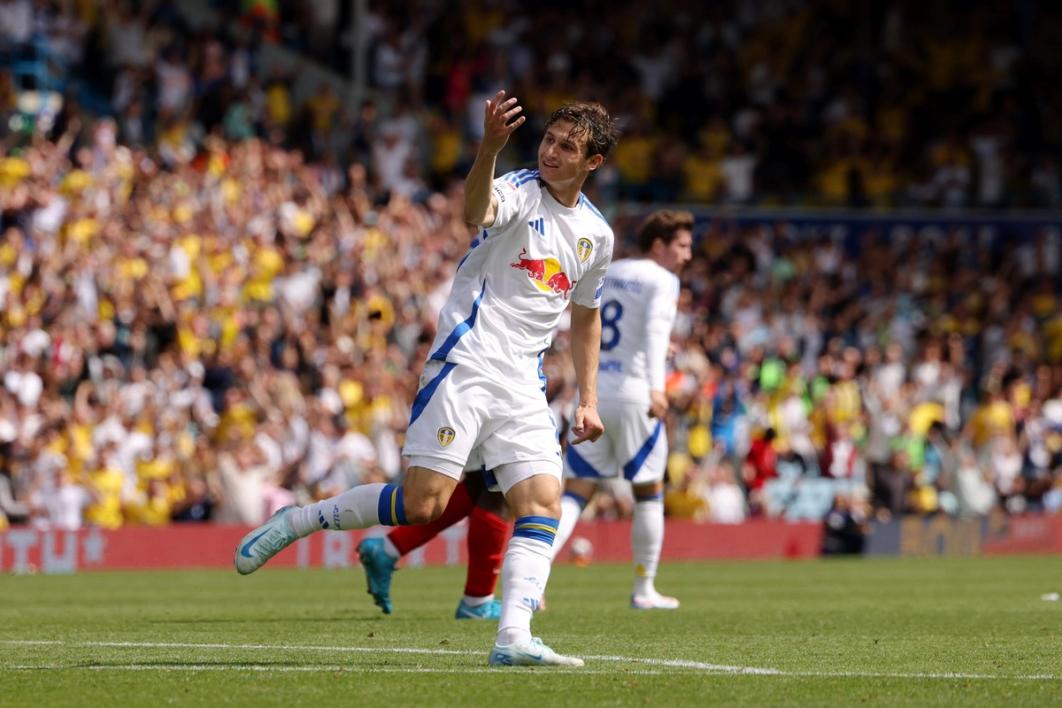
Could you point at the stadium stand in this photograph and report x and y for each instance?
(216, 298)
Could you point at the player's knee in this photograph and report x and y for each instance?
(550, 508)
(424, 510)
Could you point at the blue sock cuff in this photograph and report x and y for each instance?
(578, 499)
(540, 528)
(392, 508)
(648, 497)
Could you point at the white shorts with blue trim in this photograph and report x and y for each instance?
(462, 418)
(634, 446)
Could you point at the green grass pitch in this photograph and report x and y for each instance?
(954, 631)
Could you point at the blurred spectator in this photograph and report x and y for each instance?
(800, 102)
(726, 501)
(217, 301)
(845, 528)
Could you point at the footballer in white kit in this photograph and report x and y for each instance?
(483, 388)
(542, 248)
(639, 301)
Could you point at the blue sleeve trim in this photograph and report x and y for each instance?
(590, 205)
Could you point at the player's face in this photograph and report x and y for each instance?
(562, 155)
(677, 253)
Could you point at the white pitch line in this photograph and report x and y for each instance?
(252, 647)
(686, 664)
(311, 669)
(670, 663)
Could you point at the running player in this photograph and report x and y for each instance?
(637, 314)
(543, 245)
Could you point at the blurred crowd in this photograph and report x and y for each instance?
(218, 337)
(819, 102)
(217, 302)
(208, 341)
(922, 374)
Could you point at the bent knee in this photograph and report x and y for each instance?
(424, 510)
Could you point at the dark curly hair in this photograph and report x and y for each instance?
(663, 224)
(590, 119)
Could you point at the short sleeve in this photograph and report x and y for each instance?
(510, 191)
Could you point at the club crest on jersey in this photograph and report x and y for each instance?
(584, 248)
(546, 273)
(445, 436)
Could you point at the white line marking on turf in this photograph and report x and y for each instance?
(286, 669)
(252, 647)
(686, 664)
(670, 663)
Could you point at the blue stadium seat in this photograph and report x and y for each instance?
(813, 499)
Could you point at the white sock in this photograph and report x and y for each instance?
(389, 548)
(647, 538)
(356, 508)
(524, 575)
(571, 510)
(476, 601)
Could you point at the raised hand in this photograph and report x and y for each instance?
(500, 118)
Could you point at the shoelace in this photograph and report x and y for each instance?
(272, 545)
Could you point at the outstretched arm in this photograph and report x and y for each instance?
(500, 118)
(586, 349)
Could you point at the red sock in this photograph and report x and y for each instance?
(488, 535)
(406, 538)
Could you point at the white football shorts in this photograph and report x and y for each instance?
(633, 447)
(461, 417)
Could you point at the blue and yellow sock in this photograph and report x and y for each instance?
(539, 528)
(391, 507)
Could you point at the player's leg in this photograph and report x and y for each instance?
(584, 466)
(535, 502)
(577, 494)
(647, 538)
(645, 470)
(443, 425)
(420, 499)
(379, 555)
(488, 535)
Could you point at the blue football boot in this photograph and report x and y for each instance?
(379, 567)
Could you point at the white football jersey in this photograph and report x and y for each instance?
(638, 307)
(513, 285)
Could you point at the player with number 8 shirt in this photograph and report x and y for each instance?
(638, 306)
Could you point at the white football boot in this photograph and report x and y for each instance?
(265, 542)
(655, 601)
(529, 652)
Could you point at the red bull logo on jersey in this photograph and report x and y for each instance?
(546, 273)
